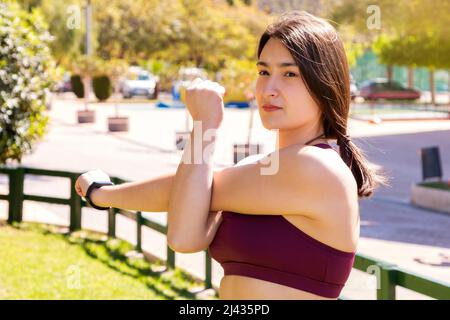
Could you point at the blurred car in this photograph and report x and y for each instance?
(185, 77)
(65, 85)
(354, 92)
(139, 82)
(381, 88)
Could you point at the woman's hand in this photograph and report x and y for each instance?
(86, 179)
(204, 101)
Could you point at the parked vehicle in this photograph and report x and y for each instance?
(185, 77)
(139, 82)
(381, 88)
(354, 92)
(65, 85)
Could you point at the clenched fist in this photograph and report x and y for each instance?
(204, 101)
(86, 179)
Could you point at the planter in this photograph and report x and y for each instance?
(181, 138)
(86, 116)
(430, 198)
(117, 124)
(241, 151)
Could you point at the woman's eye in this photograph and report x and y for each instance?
(263, 73)
(291, 74)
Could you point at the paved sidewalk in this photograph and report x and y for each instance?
(391, 229)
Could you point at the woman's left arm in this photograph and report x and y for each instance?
(190, 224)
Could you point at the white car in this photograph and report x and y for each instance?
(140, 83)
(185, 77)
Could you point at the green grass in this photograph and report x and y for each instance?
(37, 262)
(436, 185)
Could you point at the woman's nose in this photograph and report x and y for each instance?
(271, 89)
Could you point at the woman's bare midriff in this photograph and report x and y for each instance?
(245, 288)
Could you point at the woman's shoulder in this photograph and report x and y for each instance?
(336, 182)
(324, 169)
(326, 160)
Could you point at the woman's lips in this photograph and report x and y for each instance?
(270, 108)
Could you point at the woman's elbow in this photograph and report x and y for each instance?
(185, 245)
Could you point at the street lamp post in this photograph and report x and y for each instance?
(87, 116)
(88, 49)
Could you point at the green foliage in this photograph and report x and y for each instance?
(65, 21)
(87, 66)
(436, 185)
(115, 68)
(155, 66)
(238, 78)
(27, 71)
(232, 2)
(102, 87)
(77, 86)
(412, 33)
(202, 33)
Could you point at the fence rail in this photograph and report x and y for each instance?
(388, 276)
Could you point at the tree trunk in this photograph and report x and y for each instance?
(410, 77)
(432, 89)
(87, 88)
(116, 95)
(389, 72)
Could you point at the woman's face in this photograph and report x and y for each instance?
(280, 84)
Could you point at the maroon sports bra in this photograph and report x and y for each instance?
(270, 248)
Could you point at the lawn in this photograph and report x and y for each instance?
(436, 185)
(40, 262)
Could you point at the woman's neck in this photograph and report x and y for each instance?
(300, 136)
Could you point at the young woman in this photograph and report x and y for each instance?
(291, 234)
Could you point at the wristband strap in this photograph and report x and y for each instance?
(96, 185)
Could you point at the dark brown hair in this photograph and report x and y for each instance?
(319, 53)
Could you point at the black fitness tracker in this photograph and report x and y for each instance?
(96, 185)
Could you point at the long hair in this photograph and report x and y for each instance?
(319, 53)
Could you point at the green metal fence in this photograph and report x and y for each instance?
(388, 276)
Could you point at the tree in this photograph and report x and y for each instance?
(87, 67)
(26, 67)
(65, 19)
(413, 33)
(115, 69)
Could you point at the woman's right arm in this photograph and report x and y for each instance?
(151, 195)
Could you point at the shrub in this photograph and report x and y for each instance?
(77, 86)
(27, 73)
(102, 87)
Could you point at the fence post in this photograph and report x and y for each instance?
(112, 222)
(387, 282)
(15, 201)
(208, 271)
(75, 206)
(139, 231)
(170, 258)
